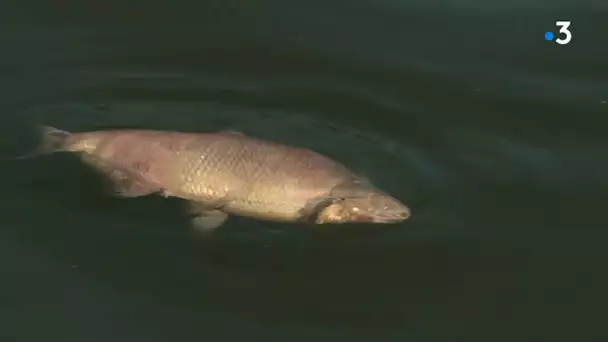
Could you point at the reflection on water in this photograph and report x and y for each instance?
(498, 148)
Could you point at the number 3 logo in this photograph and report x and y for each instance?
(564, 29)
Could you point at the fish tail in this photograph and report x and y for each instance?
(53, 140)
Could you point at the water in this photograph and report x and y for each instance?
(495, 138)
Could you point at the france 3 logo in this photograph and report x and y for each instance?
(564, 35)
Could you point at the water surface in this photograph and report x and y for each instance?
(495, 138)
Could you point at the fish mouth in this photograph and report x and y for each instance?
(392, 218)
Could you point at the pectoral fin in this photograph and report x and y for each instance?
(206, 219)
(121, 182)
(130, 187)
(313, 207)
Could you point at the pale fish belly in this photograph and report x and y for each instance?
(274, 203)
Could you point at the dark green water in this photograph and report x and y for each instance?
(495, 138)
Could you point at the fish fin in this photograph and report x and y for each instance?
(205, 219)
(314, 207)
(124, 186)
(53, 140)
(122, 183)
(206, 223)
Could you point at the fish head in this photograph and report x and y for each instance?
(376, 208)
(366, 205)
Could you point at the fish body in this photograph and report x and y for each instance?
(225, 173)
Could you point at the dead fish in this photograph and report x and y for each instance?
(224, 173)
